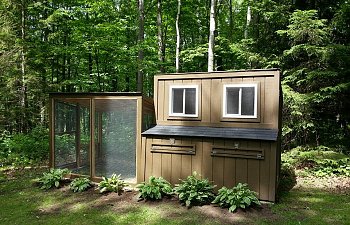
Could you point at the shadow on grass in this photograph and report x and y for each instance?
(21, 203)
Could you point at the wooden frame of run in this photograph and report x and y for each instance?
(143, 105)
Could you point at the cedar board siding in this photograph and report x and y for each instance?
(259, 174)
(210, 98)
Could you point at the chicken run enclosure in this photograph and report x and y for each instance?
(98, 134)
(226, 126)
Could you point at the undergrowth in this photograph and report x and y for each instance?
(318, 161)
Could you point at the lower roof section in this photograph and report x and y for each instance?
(214, 132)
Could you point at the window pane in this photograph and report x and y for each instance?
(232, 98)
(190, 101)
(178, 100)
(248, 101)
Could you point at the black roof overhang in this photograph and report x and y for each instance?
(213, 132)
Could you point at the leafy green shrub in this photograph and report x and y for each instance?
(2, 177)
(288, 178)
(23, 149)
(80, 184)
(332, 167)
(317, 161)
(52, 178)
(112, 184)
(237, 197)
(156, 188)
(195, 191)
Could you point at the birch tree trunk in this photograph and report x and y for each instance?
(24, 104)
(161, 45)
(140, 41)
(249, 18)
(211, 37)
(177, 59)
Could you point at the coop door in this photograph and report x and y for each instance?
(115, 138)
(72, 135)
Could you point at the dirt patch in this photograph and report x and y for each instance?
(334, 184)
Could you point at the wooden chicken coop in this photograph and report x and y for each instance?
(224, 125)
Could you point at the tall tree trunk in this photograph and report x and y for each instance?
(161, 44)
(211, 37)
(140, 41)
(230, 21)
(24, 104)
(177, 59)
(249, 18)
(98, 70)
(90, 62)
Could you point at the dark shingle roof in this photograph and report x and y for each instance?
(214, 132)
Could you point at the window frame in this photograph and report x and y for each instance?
(183, 114)
(239, 115)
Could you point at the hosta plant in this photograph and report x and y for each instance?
(155, 188)
(52, 178)
(194, 190)
(80, 184)
(112, 184)
(237, 197)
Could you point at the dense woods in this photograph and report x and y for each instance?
(119, 45)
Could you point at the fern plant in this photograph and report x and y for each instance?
(195, 191)
(155, 188)
(80, 184)
(112, 184)
(52, 178)
(237, 197)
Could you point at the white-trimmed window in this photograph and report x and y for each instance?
(183, 100)
(240, 101)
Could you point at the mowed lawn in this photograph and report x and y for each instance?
(21, 202)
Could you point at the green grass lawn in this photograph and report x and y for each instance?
(23, 203)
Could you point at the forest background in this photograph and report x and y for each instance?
(119, 45)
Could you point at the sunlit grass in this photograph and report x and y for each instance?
(24, 203)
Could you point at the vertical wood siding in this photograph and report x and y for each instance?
(259, 174)
(210, 100)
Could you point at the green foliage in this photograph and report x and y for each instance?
(2, 177)
(82, 46)
(80, 184)
(312, 78)
(112, 184)
(22, 149)
(52, 178)
(194, 190)
(297, 126)
(305, 27)
(237, 197)
(287, 178)
(155, 188)
(317, 161)
(329, 167)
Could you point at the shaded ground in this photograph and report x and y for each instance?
(23, 203)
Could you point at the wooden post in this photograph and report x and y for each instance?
(92, 138)
(52, 132)
(77, 135)
(99, 137)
